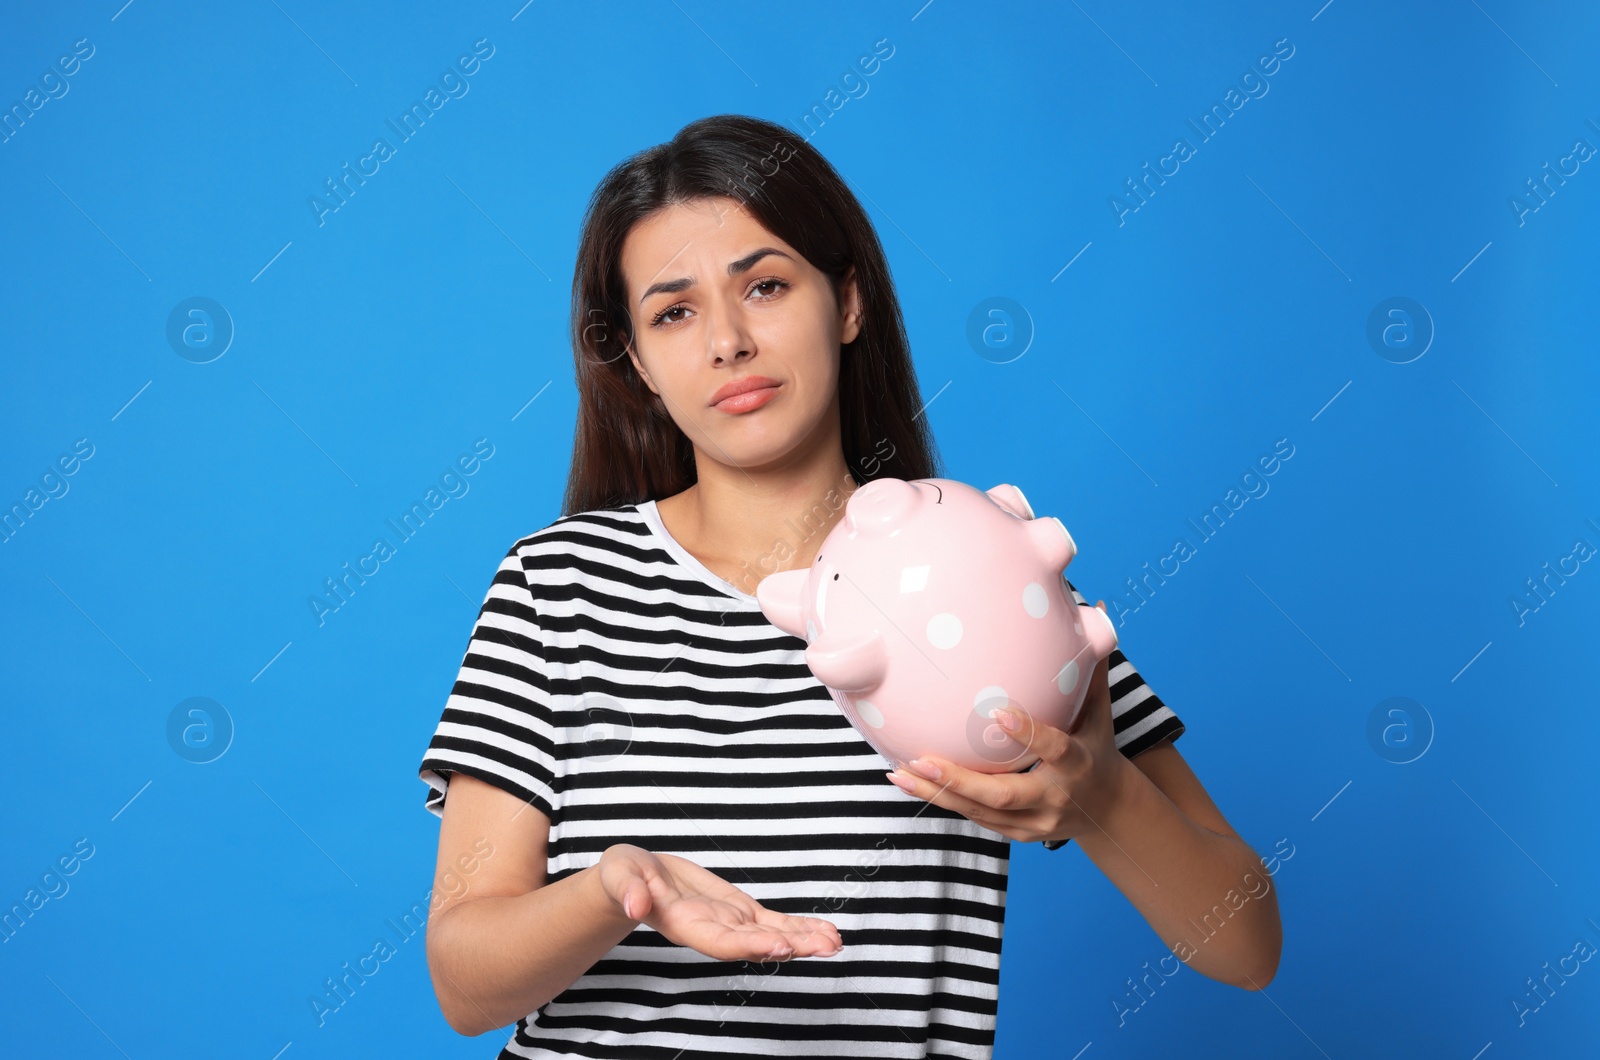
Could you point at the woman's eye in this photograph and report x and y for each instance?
(777, 286)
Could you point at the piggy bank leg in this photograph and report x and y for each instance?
(1011, 499)
(1098, 628)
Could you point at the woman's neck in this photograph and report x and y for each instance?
(743, 527)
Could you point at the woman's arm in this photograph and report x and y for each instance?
(497, 958)
(1147, 823)
(500, 941)
(1164, 844)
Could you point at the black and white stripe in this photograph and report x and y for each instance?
(619, 686)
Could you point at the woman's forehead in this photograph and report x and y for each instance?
(675, 239)
(708, 218)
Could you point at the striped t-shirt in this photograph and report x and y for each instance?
(633, 696)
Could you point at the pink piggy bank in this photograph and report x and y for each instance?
(930, 604)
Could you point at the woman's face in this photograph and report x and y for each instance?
(716, 298)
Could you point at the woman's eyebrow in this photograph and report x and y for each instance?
(683, 283)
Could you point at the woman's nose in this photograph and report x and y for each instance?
(727, 335)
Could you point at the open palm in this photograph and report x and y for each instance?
(694, 907)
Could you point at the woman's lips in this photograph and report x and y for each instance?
(748, 401)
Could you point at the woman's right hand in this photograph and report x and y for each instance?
(694, 907)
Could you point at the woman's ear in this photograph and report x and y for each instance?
(849, 308)
(638, 366)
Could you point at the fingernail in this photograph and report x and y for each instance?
(927, 769)
(627, 907)
(1006, 719)
(898, 781)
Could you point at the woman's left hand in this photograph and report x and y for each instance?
(1076, 783)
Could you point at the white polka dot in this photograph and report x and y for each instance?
(1034, 600)
(988, 699)
(869, 714)
(944, 630)
(1067, 679)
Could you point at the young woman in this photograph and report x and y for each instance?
(662, 838)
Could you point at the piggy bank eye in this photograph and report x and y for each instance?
(835, 577)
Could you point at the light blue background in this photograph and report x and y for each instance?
(1228, 312)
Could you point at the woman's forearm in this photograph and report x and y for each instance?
(1205, 894)
(495, 959)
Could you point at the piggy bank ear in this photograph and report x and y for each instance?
(780, 598)
(1011, 499)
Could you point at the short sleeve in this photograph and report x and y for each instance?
(1139, 718)
(497, 724)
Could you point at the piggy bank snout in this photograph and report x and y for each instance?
(782, 599)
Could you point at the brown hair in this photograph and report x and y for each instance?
(626, 448)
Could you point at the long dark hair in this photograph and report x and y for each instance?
(626, 448)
